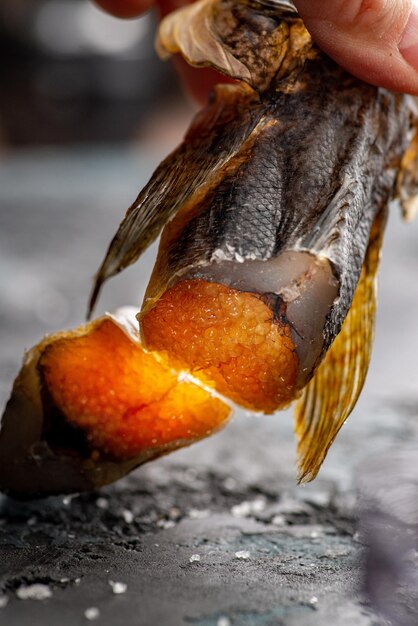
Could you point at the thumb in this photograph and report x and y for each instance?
(376, 40)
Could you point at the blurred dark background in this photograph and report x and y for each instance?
(87, 110)
(70, 73)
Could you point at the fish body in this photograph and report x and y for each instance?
(280, 188)
(302, 160)
(272, 212)
(315, 166)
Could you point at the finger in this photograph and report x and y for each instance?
(134, 8)
(197, 82)
(125, 8)
(166, 6)
(376, 40)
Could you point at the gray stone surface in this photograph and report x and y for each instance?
(301, 554)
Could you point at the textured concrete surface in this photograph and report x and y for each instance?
(219, 533)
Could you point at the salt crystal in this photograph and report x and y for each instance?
(241, 510)
(166, 524)
(199, 513)
(258, 505)
(128, 516)
(34, 592)
(242, 554)
(118, 587)
(195, 558)
(313, 601)
(3, 601)
(279, 520)
(102, 503)
(92, 613)
(66, 500)
(247, 508)
(223, 621)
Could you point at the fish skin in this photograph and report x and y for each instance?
(214, 137)
(314, 173)
(317, 159)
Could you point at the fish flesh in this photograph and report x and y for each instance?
(271, 214)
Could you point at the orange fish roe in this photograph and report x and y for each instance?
(228, 337)
(123, 398)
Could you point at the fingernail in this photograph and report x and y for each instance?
(409, 43)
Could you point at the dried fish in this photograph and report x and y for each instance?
(272, 213)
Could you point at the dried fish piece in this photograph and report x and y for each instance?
(272, 213)
(90, 405)
(300, 164)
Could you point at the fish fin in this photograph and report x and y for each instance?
(189, 31)
(331, 395)
(241, 40)
(407, 181)
(214, 138)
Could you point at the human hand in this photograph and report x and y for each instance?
(376, 40)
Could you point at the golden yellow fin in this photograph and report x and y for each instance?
(332, 394)
(244, 40)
